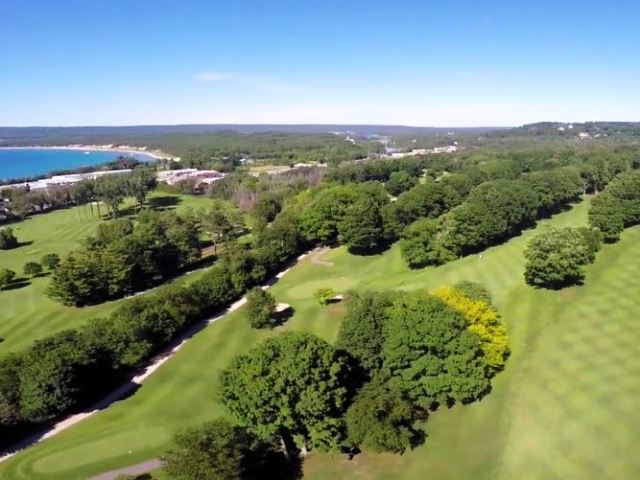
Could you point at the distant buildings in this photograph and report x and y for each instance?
(62, 180)
(171, 177)
(421, 151)
(167, 176)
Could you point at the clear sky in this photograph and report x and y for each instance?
(445, 63)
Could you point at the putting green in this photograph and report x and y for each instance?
(563, 408)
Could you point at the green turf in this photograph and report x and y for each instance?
(26, 313)
(564, 407)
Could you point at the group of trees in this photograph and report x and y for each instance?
(113, 189)
(350, 213)
(493, 211)
(66, 371)
(463, 205)
(20, 202)
(31, 269)
(618, 206)
(378, 170)
(398, 355)
(110, 189)
(555, 258)
(124, 257)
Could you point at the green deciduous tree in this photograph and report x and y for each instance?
(6, 277)
(380, 418)
(138, 184)
(261, 308)
(217, 450)
(360, 332)
(360, 229)
(224, 223)
(399, 182)
(431, 354)
(421, 244)
(294, 386)
(7, 239)
(9, 391)
(50, 261)
(112, 189)
(32, 269)
(555, 258)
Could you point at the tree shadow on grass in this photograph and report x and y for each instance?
(282, 317)
(274, 466)
(165, 202)
(18, 283)
(370, 252)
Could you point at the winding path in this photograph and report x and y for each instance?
(316, 258)
(133, 470)
(135, 383)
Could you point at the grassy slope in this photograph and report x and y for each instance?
(562, 409)
(26, 313)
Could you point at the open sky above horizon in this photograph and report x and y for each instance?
(422, 63)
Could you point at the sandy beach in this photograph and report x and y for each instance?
(126, 149)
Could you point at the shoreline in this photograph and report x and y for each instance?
(155, 154)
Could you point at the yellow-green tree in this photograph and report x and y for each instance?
(484, 321)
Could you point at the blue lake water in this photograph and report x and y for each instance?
(26, 162)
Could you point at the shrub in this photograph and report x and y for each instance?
(50, 261)
(32, 269)
(324, 295)
(7, 239)
(6, 277)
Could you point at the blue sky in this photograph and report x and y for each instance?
(446, 63)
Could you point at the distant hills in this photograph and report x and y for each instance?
(141, 134)
(66, 135)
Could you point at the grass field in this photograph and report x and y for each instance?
(563, 408)
(26, 313)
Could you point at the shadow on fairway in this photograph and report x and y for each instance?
(18, 283)
(166, 202)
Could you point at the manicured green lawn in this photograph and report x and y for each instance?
(26, 313)
(563, 408)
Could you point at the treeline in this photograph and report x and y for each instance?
(222, 151)
(461, 206)
(493, 211)
(617, 207)
(123, 258)
(66, 371)
(109, 189)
